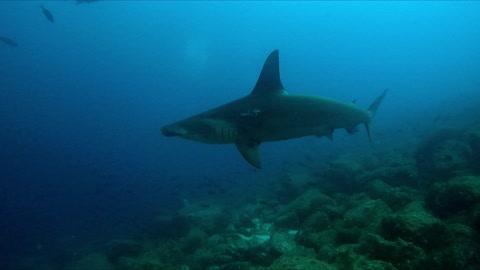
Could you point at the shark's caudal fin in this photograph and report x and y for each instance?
(269, 82)
(373, 109)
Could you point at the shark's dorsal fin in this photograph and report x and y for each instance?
(268, 82)
(249, 150)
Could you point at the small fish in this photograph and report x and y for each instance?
(8, 41)
(47, 14)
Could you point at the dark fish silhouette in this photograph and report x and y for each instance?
(8, 41)
(269, 114)
(47, 14)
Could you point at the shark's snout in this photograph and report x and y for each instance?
(173, 131)
(168, 132)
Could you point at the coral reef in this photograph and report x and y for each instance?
(445, 154)
(377, 210)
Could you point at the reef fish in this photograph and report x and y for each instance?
(47, 14)
(8, 41)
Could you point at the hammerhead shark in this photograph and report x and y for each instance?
(269, 114)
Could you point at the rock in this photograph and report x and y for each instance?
(455, 196)
(317, 240)
(125, 263)
(450, 157)
(368, 214)
(342, 175)
(204, 258)
(162, 227)
(283, 242)
(211, 219)
(347, 258)
(308, 203)
(461, 252)
(443, 155)
(287, 220)
(194, 240)
(396, 169)
(397, 176)
(237, 266)
(122, 248)
(395, 197)
(401, 254)
(316, 222)
(414, 224)
(474, 141)
(293, 184)
(256, 249)
(299, 263)
(93, 261)
(149, 265)
(348, 236)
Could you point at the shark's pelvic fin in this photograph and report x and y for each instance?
(373, 109)
(269, 82)
(249, 150)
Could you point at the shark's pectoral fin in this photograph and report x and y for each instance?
(249, 150)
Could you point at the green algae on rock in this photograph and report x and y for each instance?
(395, 197)
(414, 224)
(457, 195)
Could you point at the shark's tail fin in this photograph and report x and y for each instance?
(373, 109)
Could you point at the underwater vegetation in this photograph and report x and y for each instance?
(379, 210)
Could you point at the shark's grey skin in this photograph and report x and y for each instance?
(269, 114)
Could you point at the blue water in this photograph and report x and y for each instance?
(82, 100)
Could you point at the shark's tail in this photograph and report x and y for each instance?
(372, 110)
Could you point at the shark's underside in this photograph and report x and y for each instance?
(269, 114)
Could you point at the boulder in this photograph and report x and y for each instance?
(474, 141)
(443, 155)
(207, 217)
(293, 184)
(414, 224)
(116, 249)
(395, 197)
(308, 203)
(341, 175)
(401, 254)
(458, 195)
(461, 252)
(367, 214)
(299, 263)
(396, 169)
(283, 242)
(317, 240)
(195, 239)
(92, 261)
